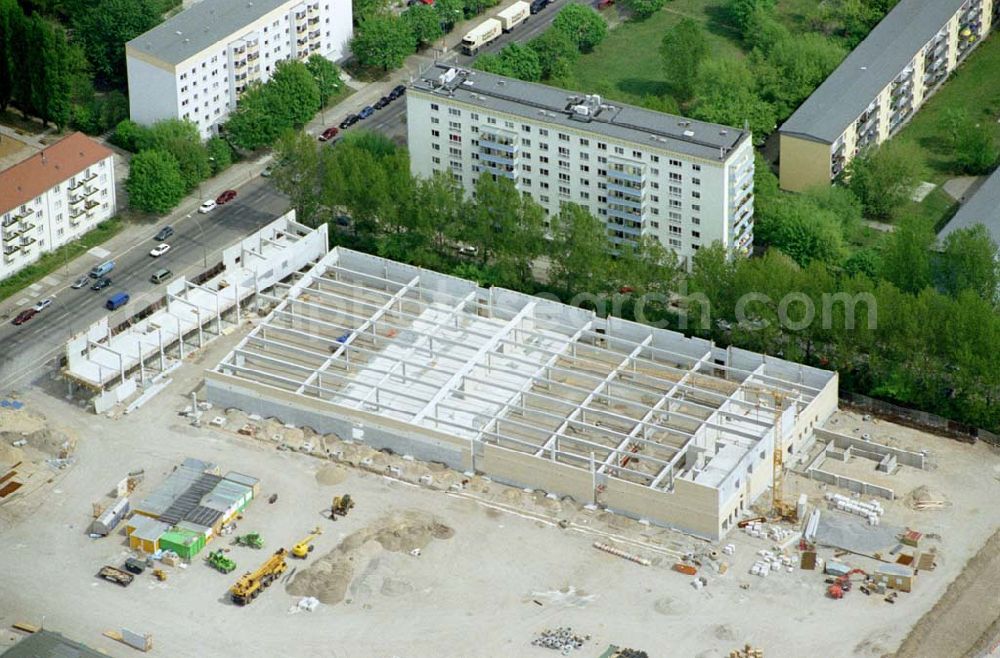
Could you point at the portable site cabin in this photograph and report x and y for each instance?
(145, 534)
(185, 543)
(109, 519)
(895, 576)
(245, 480)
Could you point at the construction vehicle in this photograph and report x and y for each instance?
(250, 585)
(160, 574)
(842, 584)
(135, 566)
(218, 561)
(483, 34)
(341, 506)
(305, 547)
(116, 576)
(250, 540)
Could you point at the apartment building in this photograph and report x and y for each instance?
(54, 197)
(983, 207)
(686, 183)
(880, 85)
(195, 65)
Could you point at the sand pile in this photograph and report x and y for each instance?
(330, 575)
(330, 475)
(923, 497)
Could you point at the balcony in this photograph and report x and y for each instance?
(625, 202)
(76, 215)
(623, 213)
(301, 42)
(313, 21)
(10, 236)
(240, 64)
(621, 174)
(90, 191)
(27, 242)
(10, 250)
(499, 158)
(90, 177)
(500, 171)
(629, 190)
(25, 214)
(315, 34)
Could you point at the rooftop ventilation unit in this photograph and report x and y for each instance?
(447, 76)
(689, 133)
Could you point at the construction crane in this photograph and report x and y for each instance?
(341, 506)
(305, 547)
(250, 585)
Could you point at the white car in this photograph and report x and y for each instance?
(207, 207)
(159, 250)
(43, 304)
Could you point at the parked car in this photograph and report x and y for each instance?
(25, 315)
(164, 233)
(159, 276)
(382, 102)
(349, 121)
(366, 112)
(397, 92)
(226, 197)
(116, 301)
(43, 304)
(329, 133)
(159, 250)
(538, 5)
(207, 207)
(101, 283)
(80, 283)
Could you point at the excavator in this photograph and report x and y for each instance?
(305, 547)
(250, 585)
(341, 506)
(842, 584)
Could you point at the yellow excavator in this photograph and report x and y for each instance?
(341, 506)
(305, 547)
(250, 585)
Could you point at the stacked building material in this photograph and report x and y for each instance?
(561, 639)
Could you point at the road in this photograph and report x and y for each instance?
(198, 240)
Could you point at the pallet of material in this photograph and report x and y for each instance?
(686, 569)
(26, 627)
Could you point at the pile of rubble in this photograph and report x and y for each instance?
(561, 639)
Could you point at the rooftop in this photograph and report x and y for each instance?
(526, 374)
(557, 106)
(48, 644)
(983, 207)
(201, 25)
(47, 168)
(870, 67)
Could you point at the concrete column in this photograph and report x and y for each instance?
(201, 338)
(236, 287)
(180, 337)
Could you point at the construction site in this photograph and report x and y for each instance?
(363, 458)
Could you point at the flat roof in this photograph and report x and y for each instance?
(49, 644)
(983, 207)
(47, 168)
(435, 352)
(537, 102)
(201, 25)
(877, 60)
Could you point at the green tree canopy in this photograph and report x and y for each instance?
(906, 260)
(293, 94)
(642, 9)
(793, 67)
(513, 60)
(742, 12)
(970, 262)
(584, 26)
(449, 12)
(154, 183)
(683, 49)
(383, 42)
(424, 23)
(106, 26)
(220, 154)
(556, 53)
(974, 144)
(726, 93)
(326, 75)
(884, 178)
(579, 254)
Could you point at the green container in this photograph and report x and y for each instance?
(185, 543)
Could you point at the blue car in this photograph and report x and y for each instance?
(366, 111)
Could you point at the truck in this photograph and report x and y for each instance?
(218, 561)
(251, 584)
(514, 15)
(116, 576)
(483, 34)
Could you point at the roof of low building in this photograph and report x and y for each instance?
(870, 67)
(201, 25)
(983, 207)
(547, 104)
(49, 644)
(47, 168)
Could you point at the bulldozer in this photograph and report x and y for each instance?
(305, 547)
(251, 584)
(218, 561)
(251, 540)
(341, 506)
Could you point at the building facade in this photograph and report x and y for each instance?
(53, 198)
(880, 85)
(686, 183)
(195, 65)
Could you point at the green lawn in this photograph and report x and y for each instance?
(53, 260)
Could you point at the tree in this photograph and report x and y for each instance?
(803, 231)
(741, 12)
(192, 161)
(683, 49)
(974, 145)
(326, 74)
(883, 178)
(366, 9)
(642, 9)
(106, 26)
(726, 94)
(129, 135)
(507, 229)
(10, 13)
(220, 154)
(791, 68)
(515, 61)
(970, 262)
(297, 174)
(762, 30)
(556, 53)
(579, 252)
(424, 23)
(383, 42)
(154, 183)
(250, 125)
(449, 12)
(584, 26)
(475, 7)
(865, 262)
(906, 260)
(48, 71)
(293, 94)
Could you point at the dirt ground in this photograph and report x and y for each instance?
(495, 565)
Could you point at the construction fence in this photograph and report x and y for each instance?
(918, 419)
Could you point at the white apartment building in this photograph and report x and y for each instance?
(195, 65)
(878, 88)
(686, 183)
(54, 197)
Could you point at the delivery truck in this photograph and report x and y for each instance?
(481, 35)
(514, 15)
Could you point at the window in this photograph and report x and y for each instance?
(563, 191)
(542, 146)
(474, 116)
(491, 121)
(676, 244)
(674, 203)
(675, 191)
(584, 195)
(455, 151)
(584, 142)
(526, 182)
(637, 154)
(654, 158)
(434, 107)
(654, 224)
(544, 186)
(677, 178)
(544, 159)
(435, 120)
(454, 125)
(543, 172)
(563, 137)
(435, 133)
(696, 181)
(585, 156)
(455, 138)
(601, 146)
(619, 150)
(564, 177)
(695, 234)
(436, 147)
(585, 182)
(525, 128)
(563, 151)
(585, 168)
(696, 221)
(696, 195)
(543, 132)
(695, 206)
(654, 198)
(675, 163)
(454, 111)
(509, 125)
(676, 230)
(696, 167)
(526, 142)
(543, 199)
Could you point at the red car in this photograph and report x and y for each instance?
(25, 315)
(329, 133)
(226, 197)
